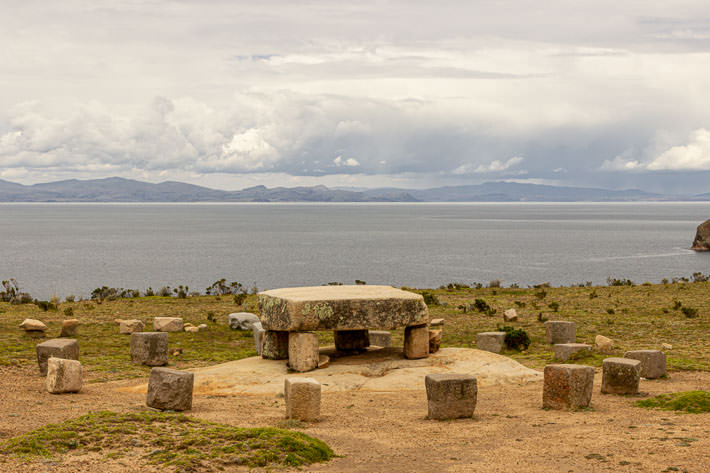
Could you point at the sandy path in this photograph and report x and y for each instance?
(379, 431)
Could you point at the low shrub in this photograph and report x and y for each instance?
(690, 312)
(694, 402)
(515, 339)
(430, 299)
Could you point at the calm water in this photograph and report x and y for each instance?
(73, 248)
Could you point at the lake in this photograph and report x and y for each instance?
(73, 248)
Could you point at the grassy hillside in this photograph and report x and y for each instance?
(636, 317)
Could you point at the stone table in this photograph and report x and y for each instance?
(350, 311)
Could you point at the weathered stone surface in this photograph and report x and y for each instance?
(33, 325)
(666, 346)
(242, 320)
(202, 327)
(653, 362)
(434, 340)
(560, 331)
(341, 308)
(451, 395)
(603, 344)
(130, 326)
(567, 386)
(416, 342)
(490, 341)
(702, 237)
(258, 333)
(349, 340)
(167, 324)
(436, 322)
(380, 338)
(63, 376)
(302, 397)
(510, 315)
(170, 389)
(66, 348)
(563, 351)
(303, 351)
(192, 329)
(275, 345)
(69, 328)
(620, 376)
(149, 348)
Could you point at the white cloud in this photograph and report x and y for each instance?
(694, 156)
(351, 162)
(499, 166)
(620, 163)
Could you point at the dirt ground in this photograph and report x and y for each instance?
(388, 431)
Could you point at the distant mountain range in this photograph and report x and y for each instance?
(116, 189)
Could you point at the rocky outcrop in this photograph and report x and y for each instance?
(702, 237)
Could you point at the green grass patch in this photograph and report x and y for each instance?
(694, 402)
(169, 439)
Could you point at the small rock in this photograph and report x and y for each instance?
(192, 329)
(117, 321)
(416, 342)
(451, 395)
(510, 315)
(436, 322)
(560, 331)
(603, 344)
(666, 346)
(66, 348)
(130, 326)
(323, 361)
(167, 324)
(242, 320)
(653, 362)
(69, 328)
(33, 325)
(564, 351)
(149, 348)
(177, 351)
(490, 341)
(202, 327)
(63, 376)
(302, 397)
(620, 376)
(170, 389)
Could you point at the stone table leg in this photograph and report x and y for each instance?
(416, 342)
(348, 340)
(275, 345)
(303, 351)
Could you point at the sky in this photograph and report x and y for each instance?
(231, 94)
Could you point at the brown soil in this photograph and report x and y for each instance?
(389, 432)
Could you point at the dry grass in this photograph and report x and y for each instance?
(643, 317)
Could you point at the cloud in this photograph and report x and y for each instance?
(351, 162)
(495, 166)
(619, 163)
(694, 156)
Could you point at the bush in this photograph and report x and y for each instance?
(430, 299)
(113, 293)
(181, 292)
(541, 294)
(482, 306)
(240, 298)
(494, 283)
(70, 298)
(45, 305)
(515, 339)
(222, 288)
(360, 282)
(619, 282)
(690, 312)
(11, 293)
(69, 311)
(554, 306)
(164, 291)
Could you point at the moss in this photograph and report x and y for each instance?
(170, 439)
(694, 402)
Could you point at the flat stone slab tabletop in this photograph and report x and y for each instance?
(341, 308)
